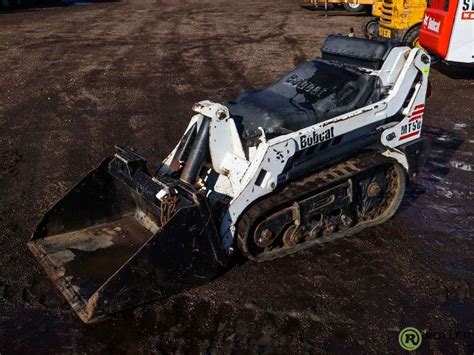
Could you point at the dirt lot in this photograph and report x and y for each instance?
(74, 81)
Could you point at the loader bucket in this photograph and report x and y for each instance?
(110, 243)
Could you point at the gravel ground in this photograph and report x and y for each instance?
(76, 80)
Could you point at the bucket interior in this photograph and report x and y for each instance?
(91, 233)
(88, 257)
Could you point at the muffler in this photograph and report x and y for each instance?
(121, 237)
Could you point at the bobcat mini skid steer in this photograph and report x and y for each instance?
(322, 153)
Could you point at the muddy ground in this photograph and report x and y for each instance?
(76, 80)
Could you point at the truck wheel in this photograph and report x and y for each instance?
(370, 27)
(353, 6)
(413, 36)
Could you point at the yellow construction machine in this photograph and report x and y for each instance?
(396, 19)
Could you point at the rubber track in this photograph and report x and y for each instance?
(298, 189)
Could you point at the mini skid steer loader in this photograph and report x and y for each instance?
(322, 153)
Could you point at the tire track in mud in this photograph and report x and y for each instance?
(83, 125)
(219, 60)
(31, 102)
(300, 56)
(200, 76)
(201, 323)
(292, 42)
(182, 81)
(78, 21)
(176, 87)
(107, 124)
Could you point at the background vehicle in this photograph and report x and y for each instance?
(398, 20)
(349, 5)
(448, 30)
(370, 26)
